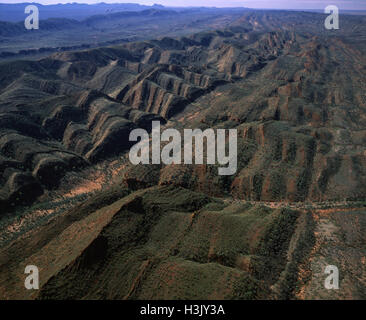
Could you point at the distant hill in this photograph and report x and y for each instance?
(67, 33)
(15, 12)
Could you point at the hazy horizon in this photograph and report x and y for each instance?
(259, 4)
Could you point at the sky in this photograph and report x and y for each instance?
(275, 4)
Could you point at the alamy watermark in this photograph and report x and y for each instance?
(32, 281)
(171, 153)
(31, 21)
(332, 21)
(332, 281)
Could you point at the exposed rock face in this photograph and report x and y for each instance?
(293, 106)
(296, 96)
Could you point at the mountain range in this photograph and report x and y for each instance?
(102, 228)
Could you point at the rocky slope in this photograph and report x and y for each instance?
(171, 243)
(296, 95)
(296, 98)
